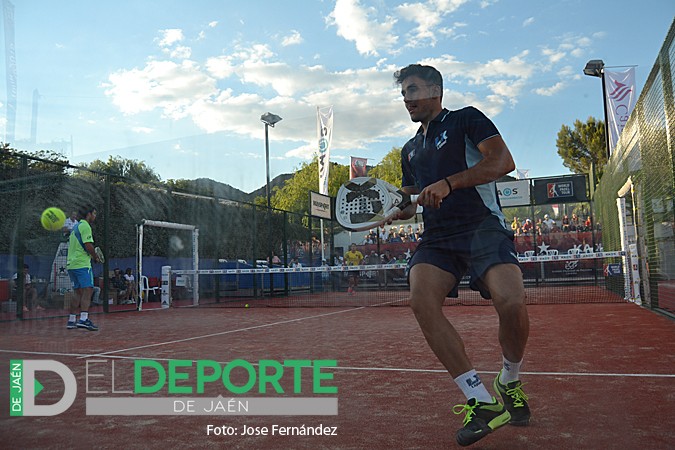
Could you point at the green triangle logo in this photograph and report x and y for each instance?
(38, 387)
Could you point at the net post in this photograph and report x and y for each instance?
(166, 287)
(195, 264)
(139, 261)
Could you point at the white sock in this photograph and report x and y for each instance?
(510, 371)
(72, 318)
(84, 315)
(473, 387)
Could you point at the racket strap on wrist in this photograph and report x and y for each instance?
(449, 185)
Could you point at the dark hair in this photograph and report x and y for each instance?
(426, 73)
(86, 210)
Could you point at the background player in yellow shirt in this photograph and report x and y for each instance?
(353, 258)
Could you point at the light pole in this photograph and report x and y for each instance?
(269, 120)
(596, 68)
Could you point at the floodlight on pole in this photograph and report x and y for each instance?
(269, 120)
(596, 68)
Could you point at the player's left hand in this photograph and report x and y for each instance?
(432, 196)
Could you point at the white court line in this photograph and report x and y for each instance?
(283, 322)
(177, 341)
(379, 369)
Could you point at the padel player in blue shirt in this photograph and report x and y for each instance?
(453, 162)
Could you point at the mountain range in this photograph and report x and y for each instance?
(209, 187)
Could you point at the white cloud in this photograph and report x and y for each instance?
(551, 90)
(213, 24)
(354, 23)
(306, 151)
(529, 21)
(181, 52)
(166, 85)
(553, 56)
(228, 93)
(428, 16)
(142, 130)
(169, 37)
(292, 39)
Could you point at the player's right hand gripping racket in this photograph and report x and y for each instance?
(363, 203)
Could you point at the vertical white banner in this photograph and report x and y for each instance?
(325, 132)
(620, 97)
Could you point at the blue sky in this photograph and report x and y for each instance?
(181, 85)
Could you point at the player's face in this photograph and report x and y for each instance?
(421, 98)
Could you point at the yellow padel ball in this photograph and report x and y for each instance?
(53, 218)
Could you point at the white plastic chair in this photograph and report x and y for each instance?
(146, 289)
(528, 253)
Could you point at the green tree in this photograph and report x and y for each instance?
(294, 195)
(136, 171)
(41, 160)
(582, 145)
(389, 169)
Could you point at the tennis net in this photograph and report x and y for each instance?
(548, 279)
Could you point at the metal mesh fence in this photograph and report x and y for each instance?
(642, 167)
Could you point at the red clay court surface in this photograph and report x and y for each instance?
(599, 376)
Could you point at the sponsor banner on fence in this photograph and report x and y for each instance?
(319, 205)
(568, 189)
(514, 193)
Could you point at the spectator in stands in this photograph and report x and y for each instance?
(387, 258)
(539, 226)
(30, 294)
(132, 288)
(516, 225)
(548, 224)
(383, 233)
(372, 258)
(70, 223)
(565, 223)
(528, 226)
(575, 223)
(588, 225)
(295, 263)
(394, 236)
(119, 285)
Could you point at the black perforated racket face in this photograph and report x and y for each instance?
(360, 201)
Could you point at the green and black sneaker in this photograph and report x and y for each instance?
(480, 420)
(514, 400)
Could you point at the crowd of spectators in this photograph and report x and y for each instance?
(547, 225)
(393, 234)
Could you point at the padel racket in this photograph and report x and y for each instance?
(99, 254)
(363, 203)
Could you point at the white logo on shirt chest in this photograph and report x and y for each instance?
(441, 140)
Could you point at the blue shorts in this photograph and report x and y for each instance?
(82, 278)
(472, 252)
